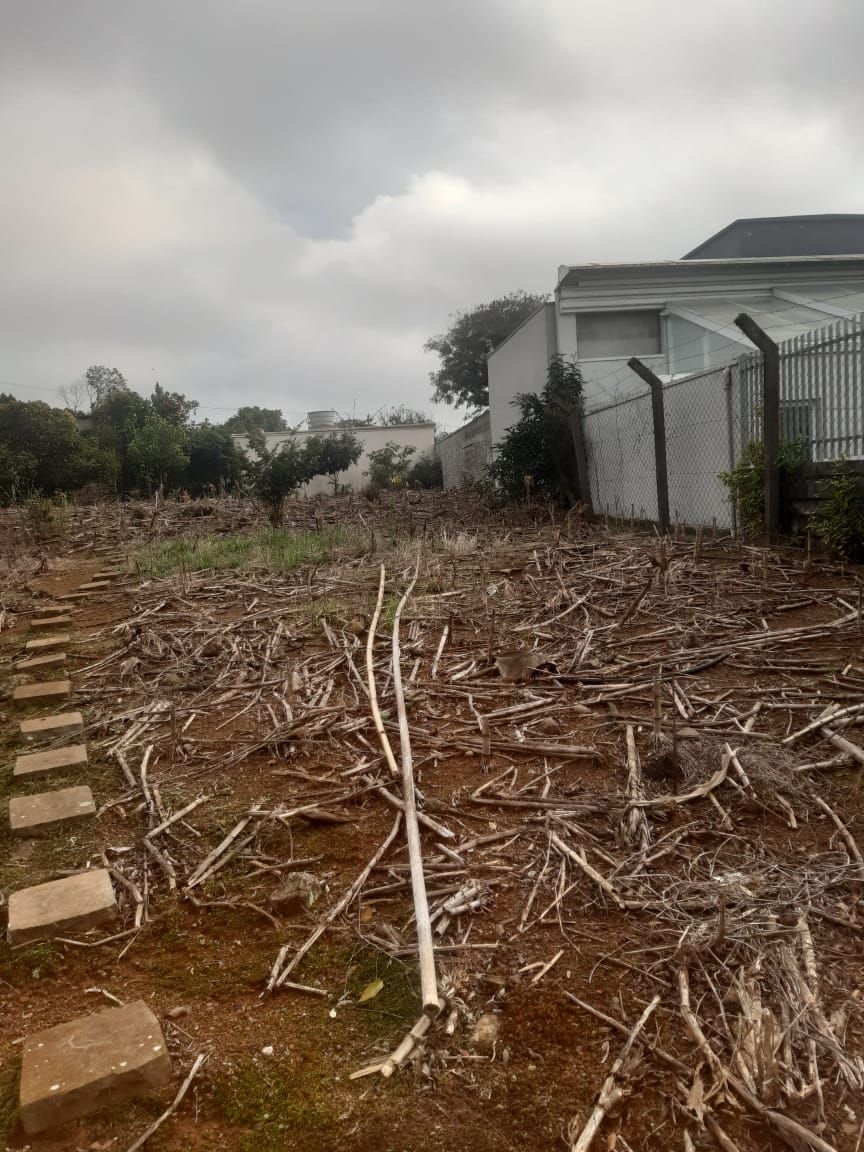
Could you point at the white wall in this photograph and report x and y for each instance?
(466, 453)
(519, 365)
(420, 437)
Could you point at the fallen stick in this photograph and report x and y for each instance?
(184, 1088)
(278, 974)
(847, 836)
(702, 790)
(826, 717)
(396, 802)
(601, 881)
(428, 980)
(370, 676)
(190, 807)
(610, 1093)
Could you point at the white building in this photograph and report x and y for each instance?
(420, 437)
(675, 315)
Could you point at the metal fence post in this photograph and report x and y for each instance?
(577, 431)
(770, 420)
(659, 419)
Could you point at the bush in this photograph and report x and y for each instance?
(746, 484)
(537, 452)
(277, 474)
(388, 467)
(840, 520)
(45, 518)
(426, 472)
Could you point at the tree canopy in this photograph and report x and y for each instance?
(463, 377)
(254, 419)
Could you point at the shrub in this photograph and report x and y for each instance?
(839, 519)
(426, 472)
(746, 484)
(277, 474)
(388, 467)
(537, 452)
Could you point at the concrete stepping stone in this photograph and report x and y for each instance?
(50, 622)
(46, 642)
(47, 610)
(94, 585)
(42, 692)
(39, 663)
(50, 727)
(44, 811)
(72, 904)
(109, 574)
(53, 762)
(73, 596)
(76, 1068)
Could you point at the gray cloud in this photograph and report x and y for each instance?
(265, 202)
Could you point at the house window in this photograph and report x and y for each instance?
(601, 335)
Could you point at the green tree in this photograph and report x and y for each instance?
(254, 419)
(41, 443)
(214, 458)
(116, 419)
(388, 466)
(463, 377)
(276, 474)
(92, 388)
(539, 446)
(332, 455)
(172, 406)
(157, 450)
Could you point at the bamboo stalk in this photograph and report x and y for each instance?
(428, 980)
(370, 676)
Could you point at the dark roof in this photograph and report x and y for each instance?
(831, 235)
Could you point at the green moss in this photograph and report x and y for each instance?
(278, 1108)
(17, 966)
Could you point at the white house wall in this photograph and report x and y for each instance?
(420, 437)
(520, 365)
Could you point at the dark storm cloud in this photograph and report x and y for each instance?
(280, 201)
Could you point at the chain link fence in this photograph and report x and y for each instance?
(701, 434)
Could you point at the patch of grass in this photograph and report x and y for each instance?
(267, 1096)
(269, 549)
(17, 967)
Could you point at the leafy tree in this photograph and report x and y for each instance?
(332, 455)
(254, 419)
(214, 458)
(426, 472)
(157, 450)
(388, 466)
(463, 378)
(41, 446)
(277, 473)
(116, 419)
(537, 451)
(92, 388)
(172, 406)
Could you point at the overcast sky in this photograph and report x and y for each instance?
(278, 201)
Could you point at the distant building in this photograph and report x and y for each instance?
(420, 437)
(675, 315)
(835, 235)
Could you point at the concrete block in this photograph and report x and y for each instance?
(47, 610)
(44, 643)
(50, 727)
(40, 663)
(54, 762)
(72, 904)
(109, 574)
(74, 1069)
(44, 811)
(51, 622)
(43, 692)
(73, 596)
(94, 585)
